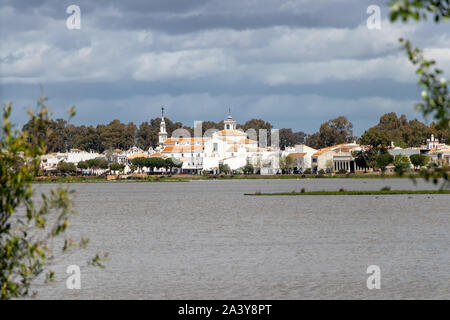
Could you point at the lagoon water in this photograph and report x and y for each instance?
(206, 240)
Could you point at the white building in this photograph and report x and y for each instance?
(336, 158)
(229, 146)
(49, 162)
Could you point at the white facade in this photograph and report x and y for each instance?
(50, 161)
(229, 146)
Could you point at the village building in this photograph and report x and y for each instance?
(229, 146)
(301, 154)
(49, 162)
(336, 158)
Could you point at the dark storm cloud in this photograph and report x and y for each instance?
(181, 16)
(295, 63)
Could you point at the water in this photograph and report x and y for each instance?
(206, 240)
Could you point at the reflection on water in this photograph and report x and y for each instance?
(205, 239)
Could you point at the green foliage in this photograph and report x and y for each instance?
(248, 169)
(401, 164)
(224, 168)
(382, 160)
(152, 163)
(286, 164)
(290, 138)
(419, 9)
(402, 132)
(28, 231)
(363, 159)
(116, 166)
(342, 171)
(97, 163)
(376, 139)
(321, 172)
(419, 160)
(173, 163)
(155, 163)
(435, 94)
(82, 165)
(332, 132)
(66, 167)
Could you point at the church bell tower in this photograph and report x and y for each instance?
(229, 123)
(162, 129)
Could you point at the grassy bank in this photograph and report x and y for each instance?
(79, 179)
(180, 178)
(184, 178)
(350, 193)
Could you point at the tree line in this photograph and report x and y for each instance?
(61, 136)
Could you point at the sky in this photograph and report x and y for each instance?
(294, 63)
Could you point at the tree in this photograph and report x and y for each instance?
(382, 160)
(97, 163)
(28, 230)
(402, 132)
(286, 164)
(375, 139)
(147, 136)
(116, 167)
(289, 138)
(401, 164)
(224, 168)
(140, 162)
(171, 163)
(152, 163)
(66, 167)
(313, 140)
(256, 124)
(332, 132)
(363, 159)
(419, 160)
(82, 165)
(248, 168)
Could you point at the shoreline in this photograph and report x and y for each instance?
(187, 178)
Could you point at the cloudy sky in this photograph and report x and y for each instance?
(295, 63)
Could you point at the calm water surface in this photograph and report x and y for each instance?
(206, 240)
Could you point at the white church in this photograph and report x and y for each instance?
(229, 146)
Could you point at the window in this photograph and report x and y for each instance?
(228, 127)
(215, 147)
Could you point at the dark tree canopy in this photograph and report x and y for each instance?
(402, 132)
(332, 132)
